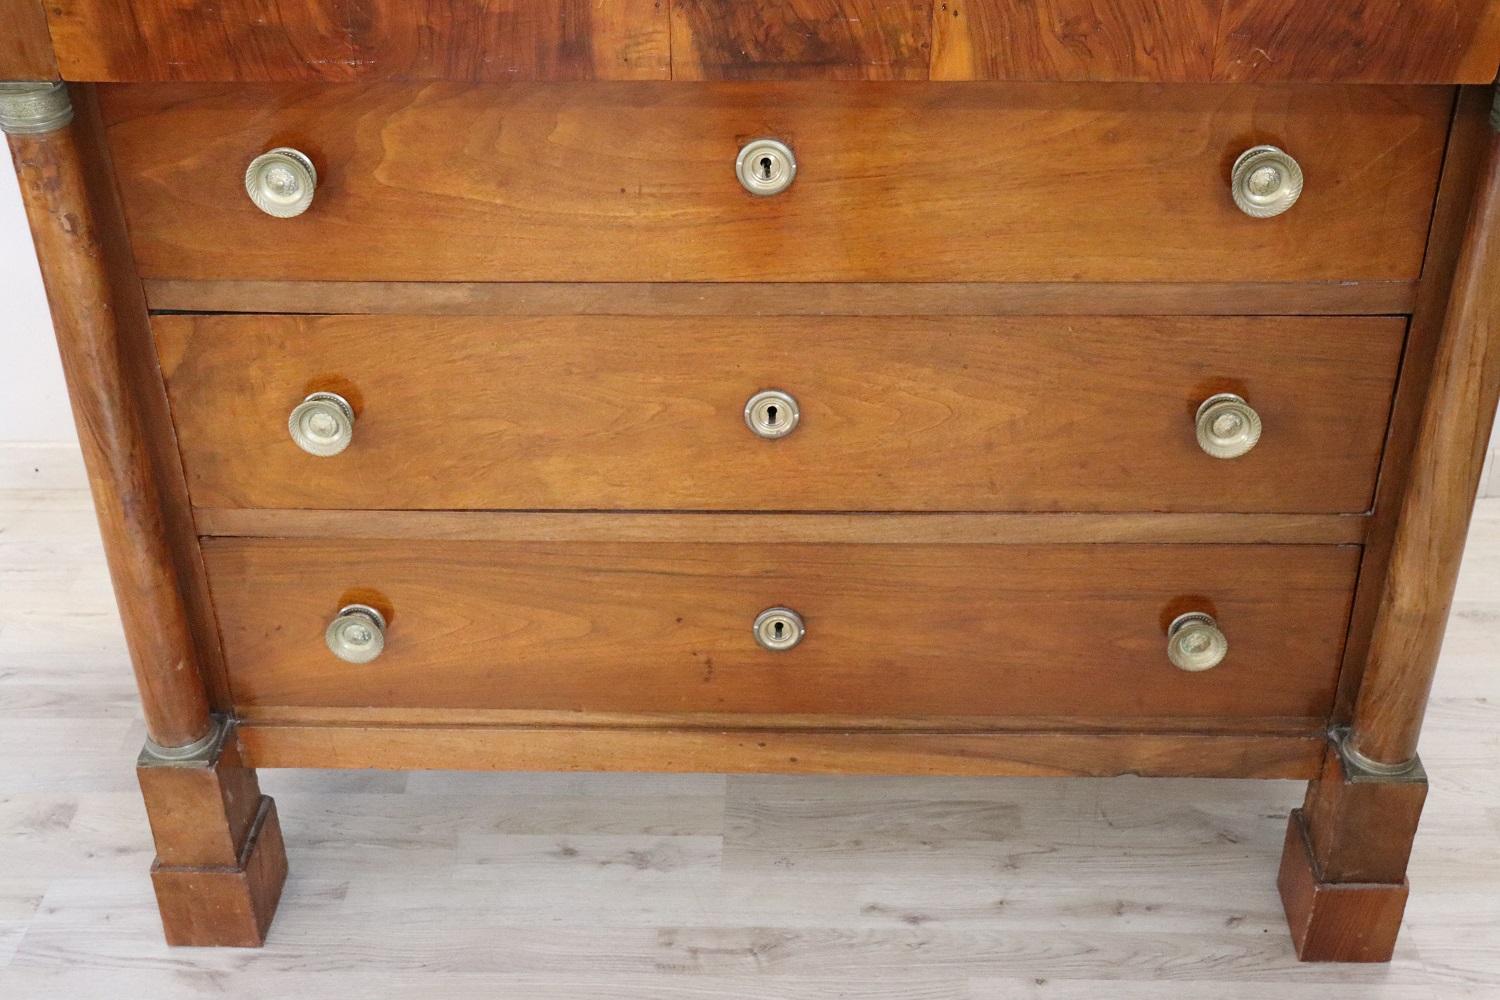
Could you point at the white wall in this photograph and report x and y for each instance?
(33, 405)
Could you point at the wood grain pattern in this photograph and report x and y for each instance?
(892, 630)
(795, 39)
(447, 884)
(1162, 41)
(1446, 463)
(1336, 921)
(226, 906)
(847, 529)
(569, 182)
(143, 371)
(892, 298)
(1467, 146)
(896, 414)
(341, 40)
(1025, 754)
(374, 717)
(201, 814)
(25, 45)
(1385, 41)
(1360, 828)
(1369, 41)
(97, 336)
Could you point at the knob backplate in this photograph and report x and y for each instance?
(1266, 181)
(356, 634)
(1227, 426)
(322, 424)
(281, 182)
(1195, 642)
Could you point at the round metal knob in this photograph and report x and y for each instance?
(1267, 182)
(772, 414)
(1195, 642)
(281, 182)
(779, 629)
(1228, 427)
(766, 167)
(356, 634)
(322, 424)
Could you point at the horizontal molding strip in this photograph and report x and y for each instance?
(785, 298)
(513, 718)
(767, 528)
(1020, 754)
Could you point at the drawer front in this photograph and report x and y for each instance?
(637, 182)
(588, 413)
(897, 631)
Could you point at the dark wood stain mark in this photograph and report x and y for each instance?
(801, 39)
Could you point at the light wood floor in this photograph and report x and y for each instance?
(438, 885)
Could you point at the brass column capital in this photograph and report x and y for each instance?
(34, 108)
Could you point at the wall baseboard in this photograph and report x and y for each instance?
(45, 466)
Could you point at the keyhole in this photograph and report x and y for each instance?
(773, 416)
(779, 629)
(765, 167)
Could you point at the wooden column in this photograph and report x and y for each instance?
(1343, 870)
(220, 861)
(50, 164)
(1444, 478)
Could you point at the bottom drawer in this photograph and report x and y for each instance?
(891, 631)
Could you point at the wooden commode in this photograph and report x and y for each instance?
(965, 387)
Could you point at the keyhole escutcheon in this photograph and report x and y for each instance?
(778, 629)
(772, 414)
(765, 167)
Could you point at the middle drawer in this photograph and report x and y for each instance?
(591, 413)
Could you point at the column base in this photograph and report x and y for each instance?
(226, 906)
(1336, 921)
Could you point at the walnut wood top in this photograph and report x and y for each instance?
(1372, 41)
(25, 47)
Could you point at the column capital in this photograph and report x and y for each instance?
(34, 108)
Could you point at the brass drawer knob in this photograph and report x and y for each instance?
(779, 629)
(766, 167)
(1195, 642)
(772, 414)
(322, 424)
(281, 182)
(1267, 182)
(356, 634)
(1228, 427)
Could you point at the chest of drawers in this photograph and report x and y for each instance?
(1001, 388)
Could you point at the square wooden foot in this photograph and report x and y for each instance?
(1334, 921)
(228, 906)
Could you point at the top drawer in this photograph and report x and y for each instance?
(636, 182)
